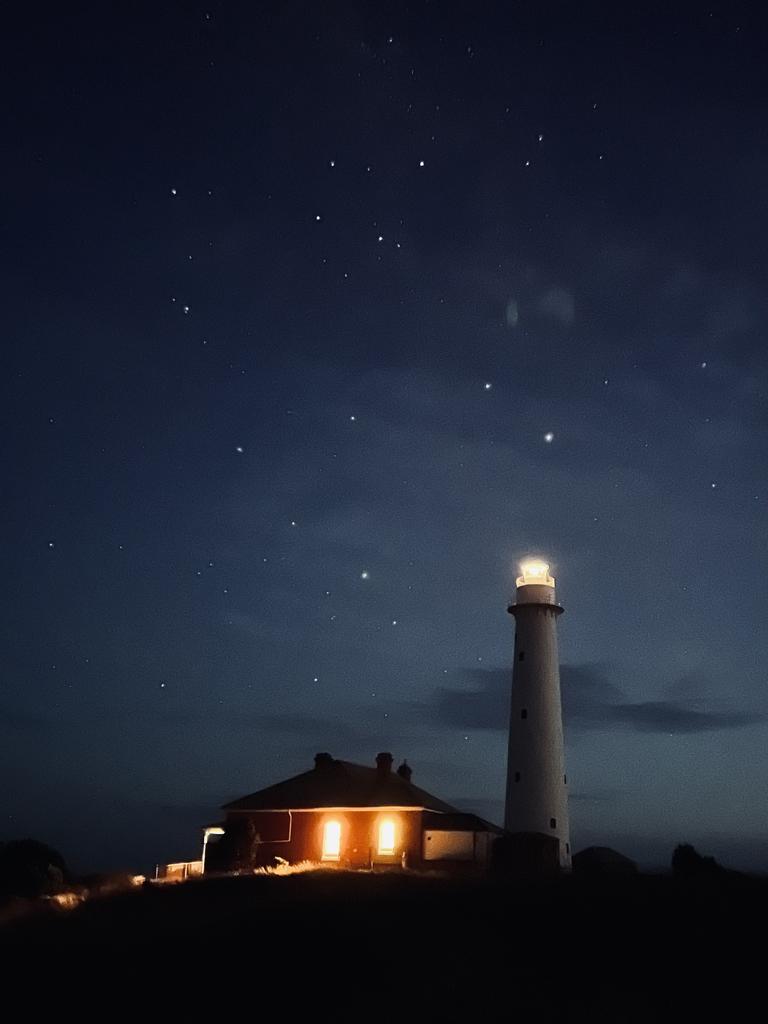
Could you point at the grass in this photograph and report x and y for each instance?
(635, 949)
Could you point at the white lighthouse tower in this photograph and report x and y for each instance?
(537, 793)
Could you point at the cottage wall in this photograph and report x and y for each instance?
(260, 836)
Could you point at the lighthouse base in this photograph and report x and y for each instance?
(526, 855)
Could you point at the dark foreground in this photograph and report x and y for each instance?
(398, 947)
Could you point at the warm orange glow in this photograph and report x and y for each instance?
(332, 840)
(386, 837)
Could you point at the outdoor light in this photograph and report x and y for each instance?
(213, 830)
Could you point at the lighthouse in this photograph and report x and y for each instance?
(537, 787)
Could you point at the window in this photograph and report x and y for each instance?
(521, 656)
(567, 847)
(524, 713)
(553, 822)
(331, 840)
(517, 776)
(386, 838)
(565, 780)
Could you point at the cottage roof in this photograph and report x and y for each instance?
(458, 821)
(334, 783)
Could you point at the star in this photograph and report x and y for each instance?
(549, 437)
(421, 163)
(487, 386)
(364, 574)
(239, 450)
(173, 191)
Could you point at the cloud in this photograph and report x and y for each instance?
(484, 707)
(668, 716)
(590, 701)
(558, 304)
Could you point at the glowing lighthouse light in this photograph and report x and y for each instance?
(536, 572)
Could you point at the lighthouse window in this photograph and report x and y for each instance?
(524, 713)
(517, 776)
(553, 822)
(565, 779)
(521, 656)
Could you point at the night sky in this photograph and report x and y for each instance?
(317, 317)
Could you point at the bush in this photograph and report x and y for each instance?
(687, 862)
(29, 868)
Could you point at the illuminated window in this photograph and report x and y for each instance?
(386, 837)
(331, 840)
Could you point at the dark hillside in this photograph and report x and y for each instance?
(401, 946)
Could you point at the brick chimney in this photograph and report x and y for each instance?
(383, 764)
(405, 771)
(323, 761)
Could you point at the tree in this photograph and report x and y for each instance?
(687, 862)
(30, 868)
